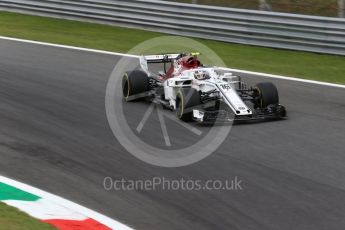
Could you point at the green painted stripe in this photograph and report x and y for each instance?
(11, 193)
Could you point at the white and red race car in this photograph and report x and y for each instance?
(200, 93)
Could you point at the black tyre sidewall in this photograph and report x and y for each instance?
(186, 98)
(135, 82)
(268, 94)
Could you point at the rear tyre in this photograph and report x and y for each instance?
(267, 94)
(186, 98)
(134, 85)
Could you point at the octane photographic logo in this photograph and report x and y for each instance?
(141, 131)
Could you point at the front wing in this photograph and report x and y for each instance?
(220, 116)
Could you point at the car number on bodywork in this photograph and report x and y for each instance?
(225, 87)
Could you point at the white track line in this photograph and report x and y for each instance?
(135, 56)
(68, 47)
(66, 203)
(287, 78)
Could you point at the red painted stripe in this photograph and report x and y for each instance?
(87, 224)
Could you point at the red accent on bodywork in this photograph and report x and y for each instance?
(187, 62)
(190, 62)
(87, 224)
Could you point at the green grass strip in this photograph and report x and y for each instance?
(13, 219)
(322, 67)
(11, 193)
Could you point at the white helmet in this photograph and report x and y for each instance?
(201, 75)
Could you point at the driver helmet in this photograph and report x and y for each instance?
(200, 75)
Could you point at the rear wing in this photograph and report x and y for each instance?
(161, 58)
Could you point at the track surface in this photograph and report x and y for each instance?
(54, 135)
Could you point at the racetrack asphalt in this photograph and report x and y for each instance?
(55, 136)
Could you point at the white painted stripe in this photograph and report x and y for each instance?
(66, 203)
(44, 209)
(287, 78)
(135, 56)
(68, 47)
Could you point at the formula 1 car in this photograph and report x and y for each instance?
(200, 93)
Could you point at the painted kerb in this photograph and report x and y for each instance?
(52, 209)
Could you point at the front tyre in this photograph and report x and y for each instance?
(135, 85)
(267, 94)
(186, 99)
